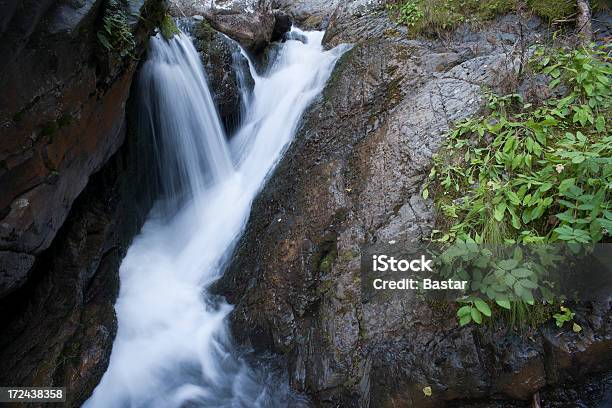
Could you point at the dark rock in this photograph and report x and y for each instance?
(70, 17)
(64, 230)
(282, 24)
(14, 269)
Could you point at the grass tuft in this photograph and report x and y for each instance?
(553, 10)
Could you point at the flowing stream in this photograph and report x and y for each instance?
(172, 347)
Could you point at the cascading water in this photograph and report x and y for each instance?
(172, 347)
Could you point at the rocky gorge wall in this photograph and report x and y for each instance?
(73, 193)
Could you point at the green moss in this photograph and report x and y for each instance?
(52, 127)
(168, 27)
(394, 91)
(203, 34)
(436, 17)
(552, 10)
(326, 254)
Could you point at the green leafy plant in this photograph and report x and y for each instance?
(116, 34)
(473, 310)
(566, 315)
(409, 13)
(543, 173)
(530, 173)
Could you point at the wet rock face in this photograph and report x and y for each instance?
(61, 114)
(352, 177)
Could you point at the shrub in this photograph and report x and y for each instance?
(543, 173)
(525, 173)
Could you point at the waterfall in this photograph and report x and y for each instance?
(177, 111)
(173, 348)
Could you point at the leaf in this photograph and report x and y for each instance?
(508, 264)
(463, 320)
(576, 328)
(513, 197)
(567, 184)
(526, 283)
(503, 303)
(482, 307)
(498, 214)
(545, 187)
(600, 124)
(476, 316)
(425, 194)
(427, 391)
(521, 272)
(463, 311)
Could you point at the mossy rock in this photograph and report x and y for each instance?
(168, 27)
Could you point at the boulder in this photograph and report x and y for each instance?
(308, 14)
(282, 24)
(249, 22)
(227, 69)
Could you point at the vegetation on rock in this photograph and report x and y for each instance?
(552, 10)
(435, 17)
(115, 34)
(534, 172)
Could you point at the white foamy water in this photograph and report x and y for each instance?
(172, 347)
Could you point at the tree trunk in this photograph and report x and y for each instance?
(583, 22)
